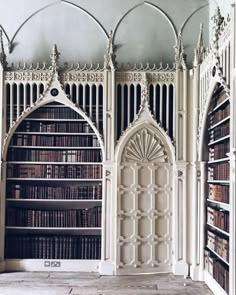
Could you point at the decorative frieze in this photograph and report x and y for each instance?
(165, 77)
(27, 75)
(74, 76)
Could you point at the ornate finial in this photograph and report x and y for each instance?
(200, 50)
(180, 56)
(55, 57)
(3, 60)
(217, 21)
(109, 57)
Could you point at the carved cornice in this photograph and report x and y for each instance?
(142, 67)
(83, 67)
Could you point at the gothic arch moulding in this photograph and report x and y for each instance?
(150, 134)
(44, 100)
(144, 202)
(217, 79)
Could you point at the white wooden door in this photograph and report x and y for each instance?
(144, 206)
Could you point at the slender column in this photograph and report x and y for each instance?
(90, 101)
(11, 104)
(154, 101)
(122, 107)
(195, 229)
(135, 100)
(18, 101)
(77, 95)
(38, 91)
(97, 106)
(161, 102)
(167, 107)
(84, 97)
(202, 217)
(24, 98)
(128, 104)
(31, 94)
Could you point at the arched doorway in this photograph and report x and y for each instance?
(144, 203)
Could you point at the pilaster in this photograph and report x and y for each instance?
(180, 264)
(195, 174)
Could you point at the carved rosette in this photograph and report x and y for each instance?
(144, 146)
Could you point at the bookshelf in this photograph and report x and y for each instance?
(54, 190)
(217, 201)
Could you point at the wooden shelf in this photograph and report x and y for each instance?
(55, 230)
(219, 105)
(222, 205)
(56, 133)
(53, 163)
(221, 258)
(54, 203)
(218, 161)
(218, 181)
(55, 120)
(218, 229)
(219, 140)
(220, 122)
(55, 179)
(56, 147)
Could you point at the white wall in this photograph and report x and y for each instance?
(144, 35)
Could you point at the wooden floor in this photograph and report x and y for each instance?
(39, 283)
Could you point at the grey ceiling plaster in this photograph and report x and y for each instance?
(143, 31)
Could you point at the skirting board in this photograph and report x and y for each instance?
(51, 265)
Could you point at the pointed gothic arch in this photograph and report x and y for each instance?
(143, 229)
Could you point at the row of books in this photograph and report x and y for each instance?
(54, 171)
(217, 99)
(89, 217)
(55, 155)
(219, 193)
(219, 171)
(53, 247)
(218, 244)
(37, 126)
(217, 270)
(66, 192)
(219, 131)
(55, 113)
(218, 218)
(55, 141)
(220, 115)
(219, 151)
